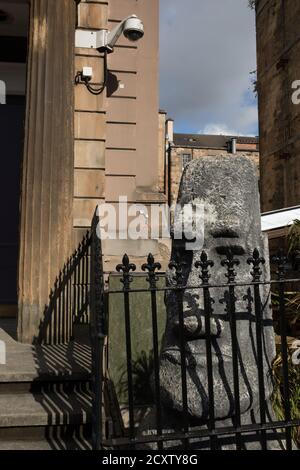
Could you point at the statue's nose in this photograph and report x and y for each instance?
(194, 326)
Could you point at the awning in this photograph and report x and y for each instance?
(279, 219)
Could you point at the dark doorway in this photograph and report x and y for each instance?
(12, 135)
(13, 53)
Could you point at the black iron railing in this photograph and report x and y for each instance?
(98, 332)
(69, 298)
(263, 429)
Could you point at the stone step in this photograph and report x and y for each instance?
(15, 445)
(63, 384)
(34, 369)
(76, 437)
(28, 363)
(44, 409)
(26, 445)
(45, 398)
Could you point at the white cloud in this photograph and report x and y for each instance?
(217, 129)
(244, 120)
(207, 51)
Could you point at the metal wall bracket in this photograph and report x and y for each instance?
(90, 39)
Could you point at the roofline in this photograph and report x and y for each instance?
(202, 147)
(278, 211)
(220, 135)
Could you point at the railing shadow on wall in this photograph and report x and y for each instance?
(69, 299)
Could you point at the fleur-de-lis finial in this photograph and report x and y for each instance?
(151, 266)
(280, 260)
(204, 264)
(126, 267)
(230, 262)
(178, 277)
(256, 260)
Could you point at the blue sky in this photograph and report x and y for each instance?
(207, 54)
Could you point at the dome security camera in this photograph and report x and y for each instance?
(104, 41)
(133, 29)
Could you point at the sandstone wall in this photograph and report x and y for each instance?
(278, 55)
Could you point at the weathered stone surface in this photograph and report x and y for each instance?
(176, 162)
(228, 190)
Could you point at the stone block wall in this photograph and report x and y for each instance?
(278, 62)
(118, 149)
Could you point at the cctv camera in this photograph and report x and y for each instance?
(104, 41)
(133, 29)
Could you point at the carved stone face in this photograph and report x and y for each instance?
(228, 189)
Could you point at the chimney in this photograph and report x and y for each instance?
(233, 145)
(170, 131)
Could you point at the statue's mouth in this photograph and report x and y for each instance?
(227, 246)
(193, 360)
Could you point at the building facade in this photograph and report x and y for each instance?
(278, 68)
(71, 150)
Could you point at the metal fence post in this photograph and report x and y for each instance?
(97, 332)
(280, 260)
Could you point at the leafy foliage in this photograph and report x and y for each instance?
(293, 237)
(294, 389)
(142, 370)
(292, 314)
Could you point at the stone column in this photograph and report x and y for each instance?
(47, 181)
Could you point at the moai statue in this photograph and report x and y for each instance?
(227, 187)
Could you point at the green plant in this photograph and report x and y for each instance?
(292, 312)
(292, 315)
(142, 369)
(293, 237)
(294, 390)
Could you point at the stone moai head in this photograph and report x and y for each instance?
(227, 187)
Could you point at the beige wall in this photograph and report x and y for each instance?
(118, 135)
(90, 125)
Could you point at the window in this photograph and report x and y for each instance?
(186, 158)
